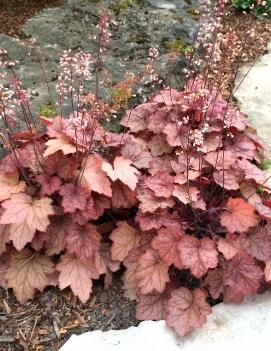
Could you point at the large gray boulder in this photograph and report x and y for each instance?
(136, 26)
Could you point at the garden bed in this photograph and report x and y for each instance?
(52, 316)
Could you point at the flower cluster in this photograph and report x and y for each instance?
(103, 33)
(208, 37)
(75, 69)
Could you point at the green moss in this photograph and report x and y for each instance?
(178, 45)
(265, 164)
(48, 110)
(193, 13)
(260, 190)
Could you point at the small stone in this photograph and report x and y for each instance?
(164, 5)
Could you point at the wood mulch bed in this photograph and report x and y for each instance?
(45, 323)
(14, 13)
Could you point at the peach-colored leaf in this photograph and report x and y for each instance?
(94, 178)
(10, 184)
(227, 179)
(238, 215)
(105, 264)
(125, 238)
(158, 120)
(74, 197)
(228, 248)
(152, 306)
(60, 165)
(122, 171)
(159, 146)
(129, 277)
(151, 273)
(150, 203)
(214, 282)
(242, 275)
(251, 171)
(181, 178)
(161, 184)
(83, 241)
(49, 185)
(185, 193)
(122, 195)
(27, 273)
(198, 255)
(187, 310)
(136, 149)
(221, 159)
(57, 230)
(59, 144)
(257, 244)
(136, 119)
(166, 243)
(77, 275)
(26, 215)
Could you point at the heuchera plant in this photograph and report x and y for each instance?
(173, 198)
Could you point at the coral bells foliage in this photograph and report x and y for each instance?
(204, 230)
(180, 184)
(177, 198)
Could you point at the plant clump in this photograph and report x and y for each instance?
(174, 198)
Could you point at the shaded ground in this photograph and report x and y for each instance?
(13, 13)
(47, 321)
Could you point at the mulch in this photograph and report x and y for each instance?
(14, 13)
(45, 323)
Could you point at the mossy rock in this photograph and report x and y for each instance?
(180, 46)
(118, 6)
(48, 110)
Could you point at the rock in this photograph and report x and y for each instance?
(160, 4)
(253, 96)
(136, 27)
(230, 327)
